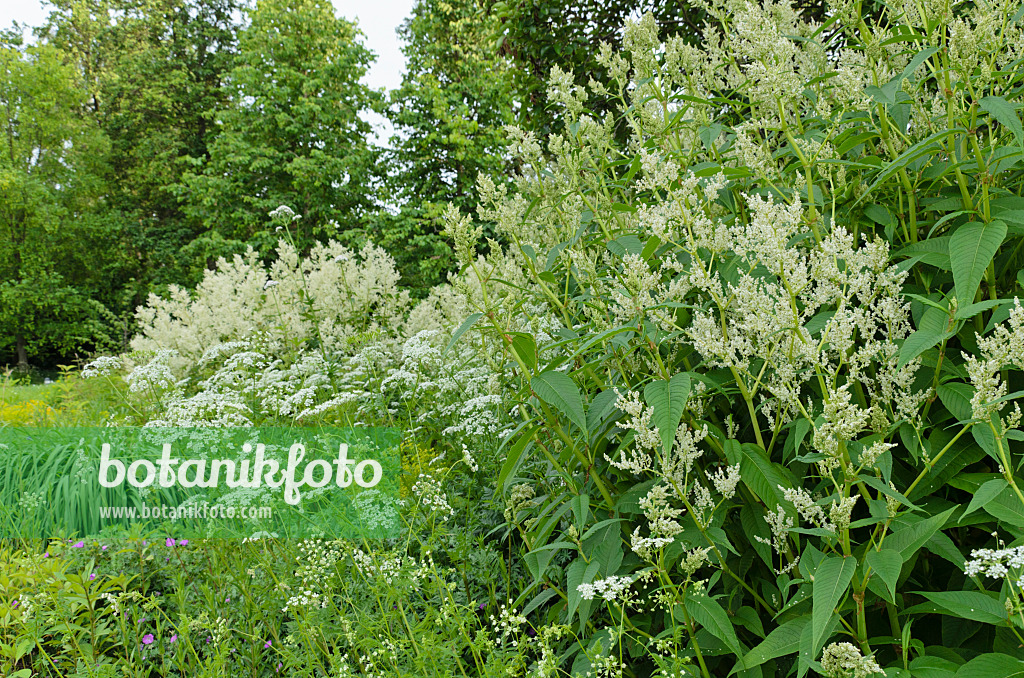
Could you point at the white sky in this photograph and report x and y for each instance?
(378, 19)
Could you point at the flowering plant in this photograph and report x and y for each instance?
(784, 346)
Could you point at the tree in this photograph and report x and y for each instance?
(448, 113)
(292, 132)
(51, 174)
(154, 71)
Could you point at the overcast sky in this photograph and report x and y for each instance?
(378, 19)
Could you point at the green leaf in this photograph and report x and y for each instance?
(706, 611)
(525, 347)
(931, 330)
(1003, 111)
(537, 560)
(909, 539)
(971, 250)
(887, 565)
(992, 666)
(831, 580)
(600, 407)
(969, 605)
(983, 495)
(762, 476)
(957, 399)
(463, 328)
(933, 251)
(1006, 506)
(515, 455)
(668, 399)
(780, 642)
(558, 389)
(923, 147)
(968, 312)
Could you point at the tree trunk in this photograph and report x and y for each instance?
(22, 353)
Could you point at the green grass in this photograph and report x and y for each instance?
(16, 393)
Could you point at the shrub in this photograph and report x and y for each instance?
(759, 364)
(775, 429)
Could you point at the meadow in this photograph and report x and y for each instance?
(725, 382)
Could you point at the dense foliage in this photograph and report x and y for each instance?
(731, 386)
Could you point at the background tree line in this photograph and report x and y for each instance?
(143, 139)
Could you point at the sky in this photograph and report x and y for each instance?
(378, 19)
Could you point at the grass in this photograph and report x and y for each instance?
(68, 401)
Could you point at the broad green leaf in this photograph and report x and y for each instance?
(601, 406)
(969, 605)
(909, 539)
(668, 399)
(831, 580)
(887, 565)
(971, 249)
(706, 611)
(932, 667)
(992, 666)
(558, 389)
(968, 312)
(931, 330)
(537, 560)
(957, 399)
(933, 251)
(1006, 506)
(463, 328)
(762, 476)
(983, 495)
(579, 572)
(782, 641)
(525, 347)
(1005, 112)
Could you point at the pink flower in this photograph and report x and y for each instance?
(169, 542)
(183, 542)
(174, 638)
(148, 639)
(266, 644)
(79, 545)
(92, 576)
(104, 548)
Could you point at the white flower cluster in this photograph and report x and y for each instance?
(996, 563)
(1004, 346)
(844, 660)
(431, 494)
(102, 367)
(611, 589)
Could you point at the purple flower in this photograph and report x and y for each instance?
(79, 545)
(104, 548)
(266, 644)
(92, 576)
(183, 542)
(148, 639)
(483, 606)
(46, 555)
(530, 632)
(169, 542)
(174, 638)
